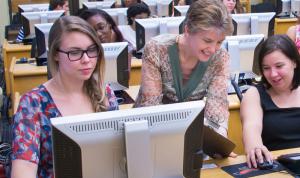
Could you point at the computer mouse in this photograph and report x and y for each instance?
(265, 165)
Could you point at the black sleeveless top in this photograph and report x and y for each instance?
(281, 126)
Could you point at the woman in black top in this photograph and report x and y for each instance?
(270, 111)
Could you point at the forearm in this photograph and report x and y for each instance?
(251, 137)
(217, 112)
(23, 168)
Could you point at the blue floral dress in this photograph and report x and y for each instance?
(32, 128)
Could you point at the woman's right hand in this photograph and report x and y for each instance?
(258, 154)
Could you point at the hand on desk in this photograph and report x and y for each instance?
(258, 154)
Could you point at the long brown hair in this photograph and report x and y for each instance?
(94, 86)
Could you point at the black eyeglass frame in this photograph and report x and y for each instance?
(82, 52)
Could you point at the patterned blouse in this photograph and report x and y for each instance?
(32, 128)
(157, 84)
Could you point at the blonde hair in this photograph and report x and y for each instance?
(205, 14)
(94, 86)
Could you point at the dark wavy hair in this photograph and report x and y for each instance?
(136, 9)
(88, 13)
(284, 44)
(54, 3)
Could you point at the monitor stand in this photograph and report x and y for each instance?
(138, 149)
(41, 61)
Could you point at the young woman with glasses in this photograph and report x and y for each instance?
(76, 62)
(104, 24)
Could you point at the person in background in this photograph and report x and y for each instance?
(270, 111)
(126, 3)
(136, 11)
(53, 5)
(76, 63)
(184, 2)
(107, 30)
(234, 6)
(294, 33)
(190, 66)
(59, 5)
(103, 23)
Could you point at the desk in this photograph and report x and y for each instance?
(25, 77)
(234, 125)
(9, 51)
(135, 73)
(218, 172)
(282, 25)
(15, 3)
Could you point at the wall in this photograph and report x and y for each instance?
(4, 20)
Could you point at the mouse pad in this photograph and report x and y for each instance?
(242, 170)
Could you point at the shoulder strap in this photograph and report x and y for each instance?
(265, 99)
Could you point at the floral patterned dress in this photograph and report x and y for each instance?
(157, 83)
(32, 128)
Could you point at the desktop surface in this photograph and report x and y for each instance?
(218, 172)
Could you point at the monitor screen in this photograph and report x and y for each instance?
(148, 142)
(181, 10)
(29, 19)
(148, 28)
(33, 7)
(98, 4)
(254, 23)
(161, 8)
(118, 14)
(116, 65)
(243, 51)
(295, 7)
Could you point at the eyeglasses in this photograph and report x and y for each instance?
(102, 27)
(75, 55)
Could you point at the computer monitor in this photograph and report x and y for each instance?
(42, 34)
(33, 7)
(254, 23)
(181, 10)
(160, 8)
(116, 65)
(29, 19)
(74, 6)
(98, 4)
(148, 28)
(243, 51)
(283, 8)
(295, 7)
(118, 14)
(149, 142)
